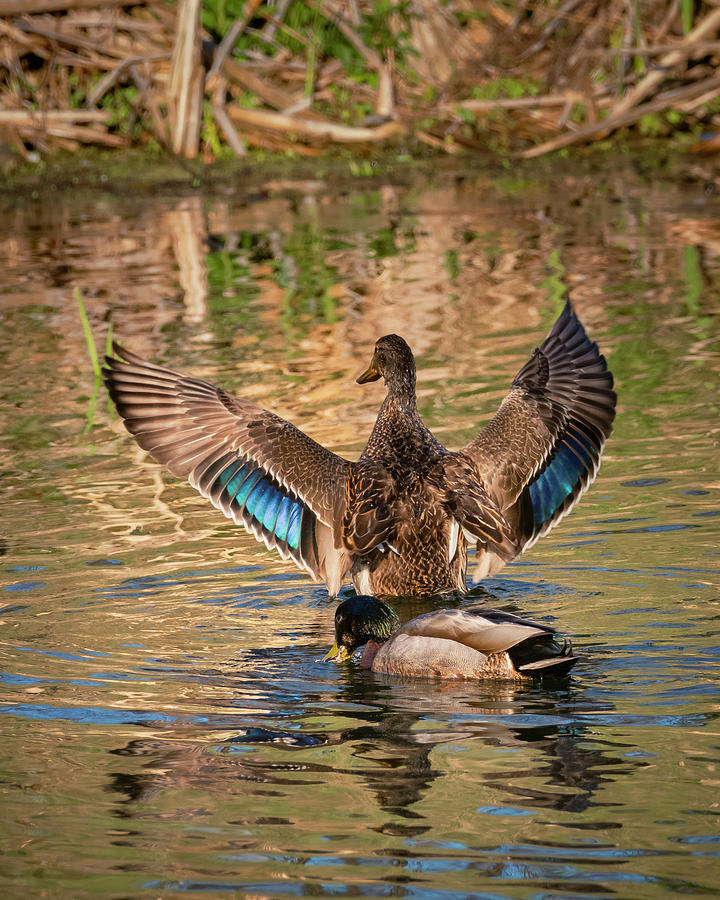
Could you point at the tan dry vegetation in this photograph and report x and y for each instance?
(527, 76)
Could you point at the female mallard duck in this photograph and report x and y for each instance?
(399, 519)
(448, 643)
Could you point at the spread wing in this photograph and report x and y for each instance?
(542, 449)
(489, 631)
(258, 469)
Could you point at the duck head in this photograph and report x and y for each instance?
(359, 620)
(392, 360)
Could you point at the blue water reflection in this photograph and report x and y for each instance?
(168, 724)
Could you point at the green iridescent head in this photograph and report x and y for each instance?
(359, 620)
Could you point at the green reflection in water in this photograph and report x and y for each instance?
(172, 728)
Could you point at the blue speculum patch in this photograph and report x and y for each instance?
(246, 487)
(271, 510)
(293, 537)
(550, 490)
(232, 477)
(224, 477)
(282, 523)
(249, 490)
(256, 499)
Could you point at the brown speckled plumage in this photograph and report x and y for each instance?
(399, 519)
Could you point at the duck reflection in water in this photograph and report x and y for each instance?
(402, 731)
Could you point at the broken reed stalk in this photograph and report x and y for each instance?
(126, 48)
(227, 45)
(55, 34)
(515, 102)
(269, 93)
(663, 101)
(709, 25)
(343, 134)
(656, 49)
(384, 103)
(217, 84)
(221, 117)
(32, 7)
(146, 97)
(108, 80)
(84, 134)
(186, 81)
(42, 117)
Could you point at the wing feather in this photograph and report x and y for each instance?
(542, 449)
(256, 468)
(489, 631)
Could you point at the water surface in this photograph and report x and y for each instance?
(168, 726)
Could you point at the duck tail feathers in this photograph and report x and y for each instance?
(558, 667)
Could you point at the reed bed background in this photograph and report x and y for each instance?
(216, 77)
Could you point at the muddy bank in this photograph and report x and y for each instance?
(150, 171)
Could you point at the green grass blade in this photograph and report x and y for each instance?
(688, 10)
(92, 350)
(109, 352)
(109, 340)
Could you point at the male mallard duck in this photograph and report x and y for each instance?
(400, 518)
(448, 643)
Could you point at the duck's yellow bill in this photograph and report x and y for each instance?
(336, 654)
(370, 374)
